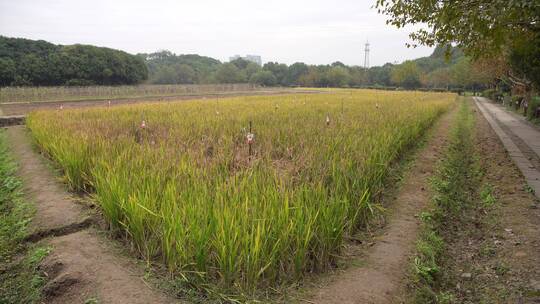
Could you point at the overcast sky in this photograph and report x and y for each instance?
(311, 31)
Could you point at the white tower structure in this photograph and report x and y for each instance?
(366, 55)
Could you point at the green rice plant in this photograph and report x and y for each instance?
(185, 190)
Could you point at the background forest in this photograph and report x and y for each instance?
(26, 62)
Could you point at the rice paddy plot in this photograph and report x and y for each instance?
(240, 193)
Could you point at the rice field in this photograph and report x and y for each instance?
(240, 193)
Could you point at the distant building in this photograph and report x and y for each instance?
(253, 58)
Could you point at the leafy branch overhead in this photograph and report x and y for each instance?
(478, 26)
(482, 28)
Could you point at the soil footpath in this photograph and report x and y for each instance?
(506, 262)
(495, 255)
(521, 140)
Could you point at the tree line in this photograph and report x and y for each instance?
(39, 63)
(438, 71)
(25, 62)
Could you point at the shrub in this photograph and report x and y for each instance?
(488, 93)
(534, 108)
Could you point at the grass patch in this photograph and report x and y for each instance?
(454, 185)
(20, 281)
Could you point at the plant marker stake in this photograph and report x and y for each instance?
(327, 120)
(250, 136)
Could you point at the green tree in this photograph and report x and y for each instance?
(478, 26)
(295, 72)
(240, 63)
(7, 71)
(358, 76)
(165, 75)
(310, 79)
(482, 28)
(185, 74)
(406, 75)
(338, 76)
(278, 69)
(43, 63)
(380, 75)
(439, 78)
(251, 69)
(229, 73)
(265, 78)
(460, 73)
(525, 59)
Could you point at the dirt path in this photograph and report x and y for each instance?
(56, 211)
(520, 140)
(82, 265)
(498, 246)
(514, 270)
(382, 278)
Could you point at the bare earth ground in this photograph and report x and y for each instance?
(82, 264)
(499, 246)
(381, 278)
(23, 108)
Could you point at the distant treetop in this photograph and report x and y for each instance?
(37, 63)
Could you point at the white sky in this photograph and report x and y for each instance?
(311, 31)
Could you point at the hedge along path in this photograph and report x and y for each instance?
(82, 264)
(382, 277)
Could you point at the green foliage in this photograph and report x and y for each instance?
(160, 65)
(175, 74)
(295, 72)
(486, 195)
(478, 27)
(278, 69)
(525, 58)
(264, 78)
(229, 73)
(338, 76)
(28, 62)
(8, 71)
(481, 28)
(454, 183)
(534, 105)
(492, 94)
(163, 70)
(380, 75)
(406, 75)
